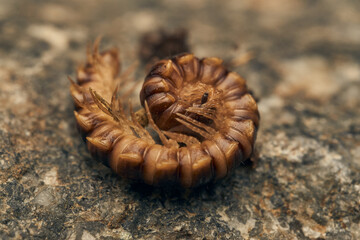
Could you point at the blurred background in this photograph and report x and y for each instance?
(301, 59)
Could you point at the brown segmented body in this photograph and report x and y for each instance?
(186, 100)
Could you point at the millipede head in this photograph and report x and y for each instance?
(189, 86)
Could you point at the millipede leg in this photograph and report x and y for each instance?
(164, 140)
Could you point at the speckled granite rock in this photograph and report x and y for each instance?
(304, 70)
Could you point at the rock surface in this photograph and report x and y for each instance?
(304, 69)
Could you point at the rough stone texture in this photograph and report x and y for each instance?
(305, 72)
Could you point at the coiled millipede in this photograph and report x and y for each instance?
(203, 114)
